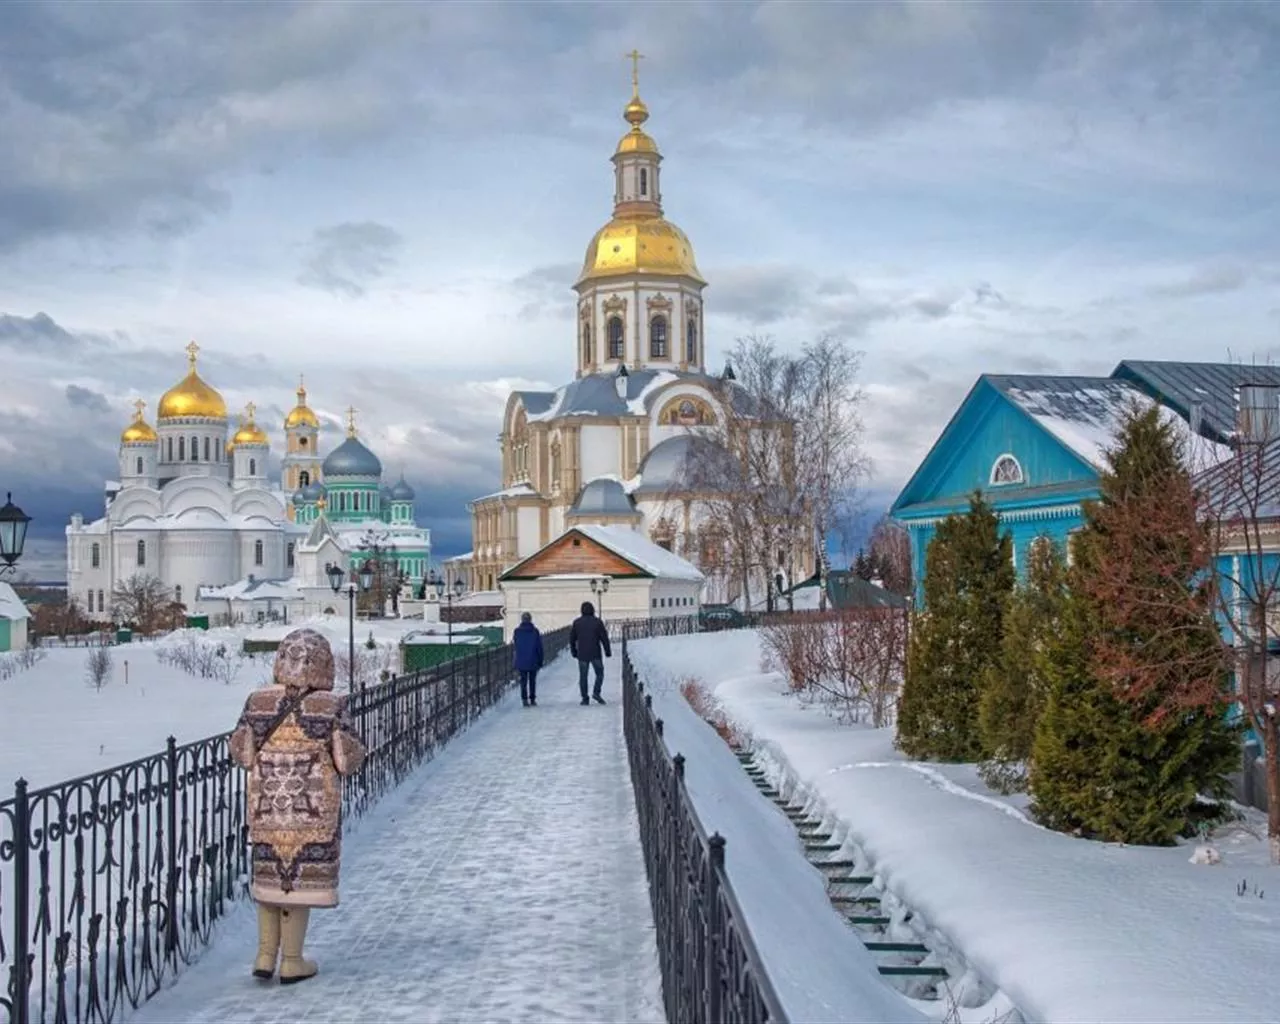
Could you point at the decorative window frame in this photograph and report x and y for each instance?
(1000, 460)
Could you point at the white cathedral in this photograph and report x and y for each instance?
(610, 447)
(197, 509)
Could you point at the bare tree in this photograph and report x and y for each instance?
(380, 552)
(779, 468)
(144, 601)
(98, 667)
(61, 618)
(889, 556)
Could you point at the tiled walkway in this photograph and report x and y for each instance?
(503, 882)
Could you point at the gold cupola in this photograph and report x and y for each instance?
(139, 431)
(301, 415)
(639, 239)
(191, 396)
(249, 432)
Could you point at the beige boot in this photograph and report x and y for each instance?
(293, 933)
(268, 941)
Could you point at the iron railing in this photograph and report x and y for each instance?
(109, 883)
(711, 969)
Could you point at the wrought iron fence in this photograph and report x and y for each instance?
(109, 883)
(711, 970)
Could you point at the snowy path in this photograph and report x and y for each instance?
(503, 881)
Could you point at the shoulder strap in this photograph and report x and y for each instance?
(286, 709)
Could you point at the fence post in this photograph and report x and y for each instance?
(171, 853)
(712, 945)
(20, 971)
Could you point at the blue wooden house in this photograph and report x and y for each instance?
(1035, 445)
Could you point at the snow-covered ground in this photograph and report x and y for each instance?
(502, 881)
(1067, 928)
(54, 725)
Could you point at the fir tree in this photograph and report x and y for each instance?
(968, 578)
(1013, 695)
(1122, 749)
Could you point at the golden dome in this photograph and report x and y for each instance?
(636, 141)
(191, 396)
(639, 245)
(139, 431)
(249, 432)
(301, 415)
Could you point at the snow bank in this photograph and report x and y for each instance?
(830, 975)
(1071, 930)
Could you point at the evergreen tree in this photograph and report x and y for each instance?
(1120, 752)
(969, 576)
(1013, 695)
(862, 567)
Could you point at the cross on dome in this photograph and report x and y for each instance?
(192, 351)
(635, 56)
(250, 409)
(138, 408)
(351, 421)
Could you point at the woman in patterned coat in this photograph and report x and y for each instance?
(295, 740)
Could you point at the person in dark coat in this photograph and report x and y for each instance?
(527, 641)
(588, 641)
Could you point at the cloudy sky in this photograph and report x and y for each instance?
(395, 198)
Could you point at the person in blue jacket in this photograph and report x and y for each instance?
(527, 641)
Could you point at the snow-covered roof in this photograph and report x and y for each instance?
(482, 598)
(321, 531)
(596, 394)
(641, 552)
(460, 558)
(199, 519)
(252, 589)
(11, 606)
(518, 491)
(437, 640)
(603, 496)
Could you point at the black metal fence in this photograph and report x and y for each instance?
(109, 883)
(711, 970)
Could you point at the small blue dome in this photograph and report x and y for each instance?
(298, 497)
(312, 492)
(351, 458)
(603, 497)
(402, 491)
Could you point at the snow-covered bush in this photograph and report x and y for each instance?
(13, 662)
(372, 665)
(709, 709)
(98, 667)
(203, 657)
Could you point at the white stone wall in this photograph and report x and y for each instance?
(528, 523)
(557, 602)
(138, 465)
(686, 302)
(601, 451)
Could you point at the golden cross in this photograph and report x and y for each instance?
(351, 421)
(138, 407)
(192, 350)
(635, 56)
(250, 409)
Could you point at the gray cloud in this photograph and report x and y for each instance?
(547, 291)
(1210, 280)
(87, 398)
(38, 333)
(345, 259)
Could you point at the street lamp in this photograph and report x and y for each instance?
(447, 594)
(336, 574)
(600, 587)
(13, 534)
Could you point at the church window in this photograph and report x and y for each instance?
(1006, 470)
(302, 442)
(288, 555)
(257, 552)
(691, 342)
(95, 556)
(139, 471)
(170, 448)
(615, 337)
(195, 449)
(253, 467)
(586, 344)
(182, 449)
(206, 450)
(658, 337)
(90, 600)
(304, 479)
(177, 593)
(102, 605)
(142, 553)
(644, 182)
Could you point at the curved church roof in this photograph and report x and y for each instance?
(352, 458)
(603, 497)
(402, 491)
(596, 394)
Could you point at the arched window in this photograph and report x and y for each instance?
(182, 449)
(691, 340)
(586, 344)
(95, 556)
(195, 449)
(288, 555)
(658, 337)
(253, 467)
(257, 552)
(644, 182)
(206, 449)
(170, 446)
(142, 553)
(1006, 470)
(304, 479)
(139, 470)
(91, 601)
(177, 593)
(615, 337)
(102, 605)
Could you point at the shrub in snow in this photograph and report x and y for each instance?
(709, 709)
(13, 662)
(199, 655)
(1014, 689)
(370, 664)
(1206, 855)
(954, 644)
(98, 667)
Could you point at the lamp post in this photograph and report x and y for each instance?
(13, 534)
(447, 594)
(600, 587)
(365, 576)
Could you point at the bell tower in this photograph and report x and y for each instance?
(301, 465)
